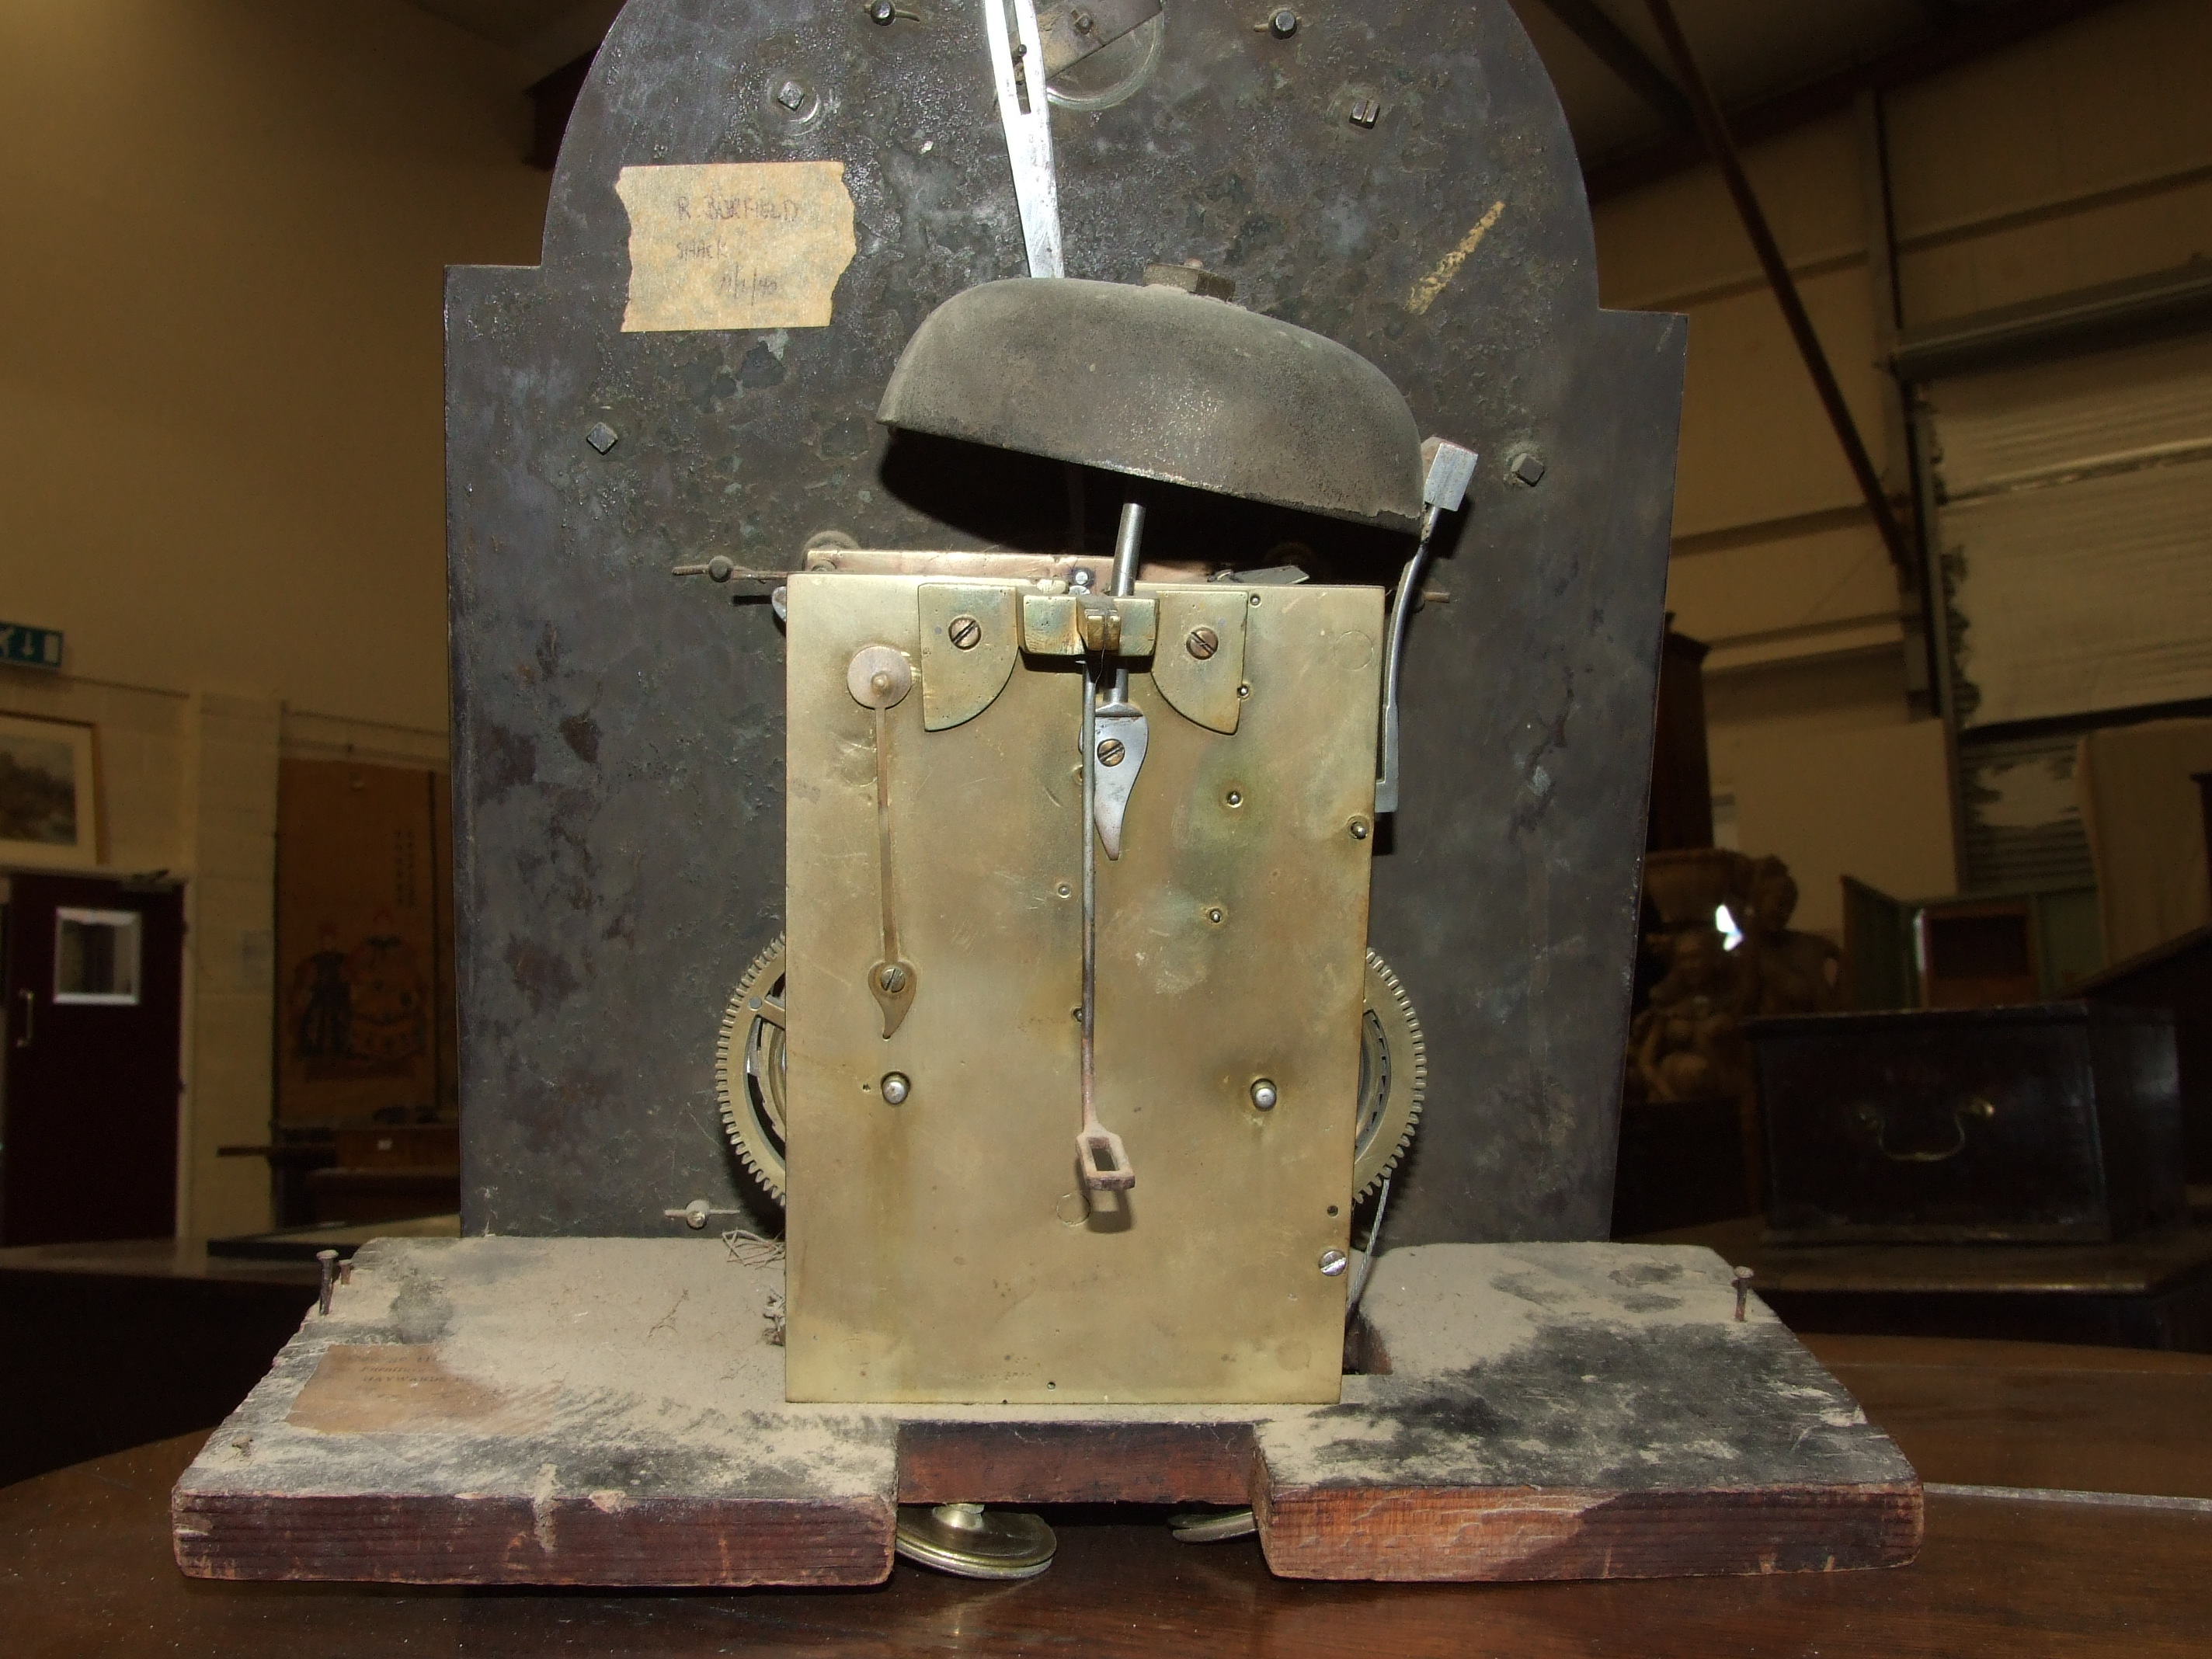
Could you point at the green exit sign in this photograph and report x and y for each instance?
(22, 645)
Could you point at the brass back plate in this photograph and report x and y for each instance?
(1203, 689)
(968, 640)
(939, 1249)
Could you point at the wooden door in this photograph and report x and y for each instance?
(94, 980)
(364, 946)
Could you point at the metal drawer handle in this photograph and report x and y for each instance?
(1871, 1119)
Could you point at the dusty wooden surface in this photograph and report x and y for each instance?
(609, 1411)
(85, 1568)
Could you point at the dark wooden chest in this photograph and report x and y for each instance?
(2057, 1121)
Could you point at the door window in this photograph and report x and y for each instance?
(96, 956)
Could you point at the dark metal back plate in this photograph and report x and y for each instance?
(619, 736)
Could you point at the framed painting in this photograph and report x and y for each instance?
(49, 794)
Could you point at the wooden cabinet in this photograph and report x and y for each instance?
(2053, 1123)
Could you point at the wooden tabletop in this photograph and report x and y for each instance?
(2139, 1266)
(148, 1259)
(85, 1564)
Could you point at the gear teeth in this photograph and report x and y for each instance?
(1379, 971)
(741, 1118)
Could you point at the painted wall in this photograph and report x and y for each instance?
(220, 401)
(2082, 157)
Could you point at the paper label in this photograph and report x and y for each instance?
(735, 244)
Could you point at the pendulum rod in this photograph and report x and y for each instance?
(1089, 907)
(1104, 1164)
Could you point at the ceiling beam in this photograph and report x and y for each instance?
(1588, 21)
(1975, 35)
(1713, 132)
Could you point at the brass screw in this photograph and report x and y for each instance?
(1202, 643)
(1110, 752)
(965, 633)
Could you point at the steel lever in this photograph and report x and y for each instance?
(720, 570)
(1120, 735)
(1447, 470)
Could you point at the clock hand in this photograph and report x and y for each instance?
(1018, 66)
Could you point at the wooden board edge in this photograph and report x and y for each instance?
(512, 1538)
(1081, 1462)
(1501, 1533)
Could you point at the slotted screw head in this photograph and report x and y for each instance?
(965, 633)
(892, 978)
(1366, 112)
(790, 95)
(1110, 752)
(1333, 1263)
(1202, 643)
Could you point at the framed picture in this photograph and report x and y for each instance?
(49, 798)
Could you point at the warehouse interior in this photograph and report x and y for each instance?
(1969, 708)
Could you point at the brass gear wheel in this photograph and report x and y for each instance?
(749, 1074)
(748, 1069)
(1394, 1075)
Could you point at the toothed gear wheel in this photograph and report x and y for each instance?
(748, 1069)
(749, 1074)
(1394, 1075)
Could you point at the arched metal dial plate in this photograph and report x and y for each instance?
(619, 768)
